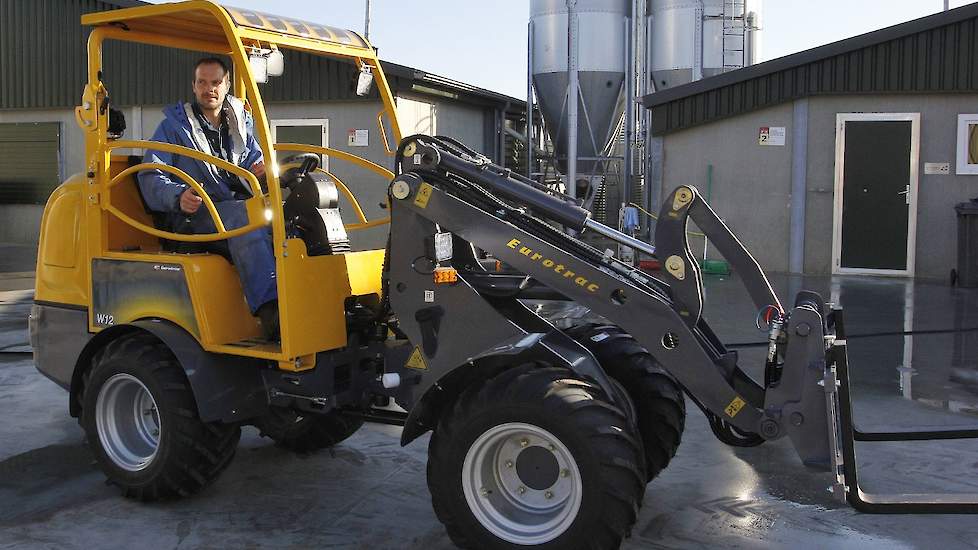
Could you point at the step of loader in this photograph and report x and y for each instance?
(841, 424)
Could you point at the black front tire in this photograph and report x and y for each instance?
(307, 433)
(586, 426)
(658, 399)
(190, 454)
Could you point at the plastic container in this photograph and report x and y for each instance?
(966, 273)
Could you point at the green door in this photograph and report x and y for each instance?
(877, 192)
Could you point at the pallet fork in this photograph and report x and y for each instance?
(840, 422)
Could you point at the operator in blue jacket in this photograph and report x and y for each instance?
(217, 124)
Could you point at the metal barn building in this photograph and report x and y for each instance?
(42, 76)
(847, 158)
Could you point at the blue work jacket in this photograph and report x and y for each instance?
(162, 190)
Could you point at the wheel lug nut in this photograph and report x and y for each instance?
(524, 442)
(552, 447)
(484, 492)
(521, 489)
(565, 472)
(509, 463)
(548, 495)
(156, 432)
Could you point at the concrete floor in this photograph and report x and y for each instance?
(370, 493)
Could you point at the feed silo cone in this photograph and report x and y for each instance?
(601, 74)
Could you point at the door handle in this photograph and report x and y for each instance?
(905, 193)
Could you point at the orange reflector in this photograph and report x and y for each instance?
(445, 275)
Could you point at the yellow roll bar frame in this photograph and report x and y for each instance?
(202, 25)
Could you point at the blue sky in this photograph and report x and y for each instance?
(484, 43)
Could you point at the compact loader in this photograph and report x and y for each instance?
(541, 436)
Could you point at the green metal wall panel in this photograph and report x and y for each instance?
(43, 64)
(30, 161)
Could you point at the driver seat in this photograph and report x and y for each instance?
(161, 221)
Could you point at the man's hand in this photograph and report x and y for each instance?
(258, 168)
(190, 202)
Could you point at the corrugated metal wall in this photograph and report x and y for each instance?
(43, 63)
(29, 161)
(942, 59)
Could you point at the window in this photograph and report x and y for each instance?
(416, 117)
(308, 131)
(967, 144)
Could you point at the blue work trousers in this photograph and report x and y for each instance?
(252, 252)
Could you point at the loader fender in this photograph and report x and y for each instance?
(554, 347)
(226, 388)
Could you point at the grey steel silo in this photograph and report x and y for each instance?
(694, 39)
(601, 74)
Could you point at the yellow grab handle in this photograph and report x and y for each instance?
(192, 153)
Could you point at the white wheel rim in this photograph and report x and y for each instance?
(128, 422)
(522, 483)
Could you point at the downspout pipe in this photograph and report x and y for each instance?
(799, 185)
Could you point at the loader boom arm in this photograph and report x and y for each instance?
(442, 187)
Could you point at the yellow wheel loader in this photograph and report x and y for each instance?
(541, 437)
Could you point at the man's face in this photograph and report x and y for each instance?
(210, 85)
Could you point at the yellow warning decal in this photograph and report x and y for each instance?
(416, 361)
(424, 193)
(734, 407)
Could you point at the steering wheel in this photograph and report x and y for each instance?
(307, 162)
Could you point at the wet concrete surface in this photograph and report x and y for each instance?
(15, 306)
(368, 492)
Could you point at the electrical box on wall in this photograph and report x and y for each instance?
(937, 168)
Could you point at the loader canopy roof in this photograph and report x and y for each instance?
(207, 23)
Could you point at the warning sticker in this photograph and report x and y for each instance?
(416, 361)
(734, 407)
(424, 193)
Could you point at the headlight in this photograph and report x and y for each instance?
(443, 246)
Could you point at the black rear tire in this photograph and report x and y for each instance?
(307, 433)
(595, 438)
(657, 397)
(190, 454)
